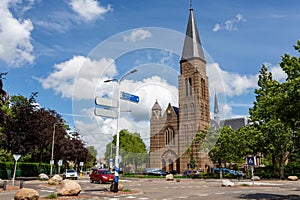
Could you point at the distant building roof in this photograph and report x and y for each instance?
(234, 123)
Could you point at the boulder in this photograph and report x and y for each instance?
(1, 183)
(55, 180)
(292, 178)
(227, 183)
(69, 188)
(27, 193)
(169, 177)
(120, 187)
(43, 177)
(255, 178)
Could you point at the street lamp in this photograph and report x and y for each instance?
(116, 180)
(52, 151)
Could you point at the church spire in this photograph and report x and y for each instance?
(216, 108)
(192, 46)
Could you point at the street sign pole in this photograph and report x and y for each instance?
(251, 162)
(16, 157)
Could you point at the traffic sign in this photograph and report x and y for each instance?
(130, 97)
(16, 156)
(106, 112)
(250, 161)
(106, 102)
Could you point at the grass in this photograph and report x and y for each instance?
(52, 196)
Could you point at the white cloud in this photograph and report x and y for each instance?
(232, 84)
(78, 77)
(229, 25)
(89, 9)
(137, 35)
(15, 37)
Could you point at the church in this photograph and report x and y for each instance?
(172, 132)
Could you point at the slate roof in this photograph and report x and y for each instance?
(192, 46)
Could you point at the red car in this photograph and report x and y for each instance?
(101, 176)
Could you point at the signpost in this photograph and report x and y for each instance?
(104, 112)
(251, 162)
(81, 164)
(16, 157)
(60, 162)
(130, 97)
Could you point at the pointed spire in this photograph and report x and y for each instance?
(192, 46)
(216, 106)
(156, 106)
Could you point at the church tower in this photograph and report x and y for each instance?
(172, 132)
(194, 111)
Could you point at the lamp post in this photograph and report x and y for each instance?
(116, 180)
(52, 150)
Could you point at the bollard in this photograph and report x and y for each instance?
(21, 183)
(4, 185)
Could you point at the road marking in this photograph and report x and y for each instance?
(47, 190)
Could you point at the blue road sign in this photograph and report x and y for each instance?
(250, 161)
(130, 97)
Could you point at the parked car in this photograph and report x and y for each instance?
(228, 171)
(101, 176)
(154, 172)
(70, 174)
(191, 174)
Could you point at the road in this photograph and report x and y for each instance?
(160, 189)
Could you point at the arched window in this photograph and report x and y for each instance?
(186, 87)
(169, 135)
(203, 88)
(192, 108)
(190, 85)
(185, 109)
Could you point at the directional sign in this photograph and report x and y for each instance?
(16, 156)
(250, 161)
(106, 102)
(130, 97)
(106, 112)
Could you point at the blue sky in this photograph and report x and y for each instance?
(64, 49)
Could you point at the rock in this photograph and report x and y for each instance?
(69, 188)
(227, 183)
(292, 178)
(255, 178)
(120, 187)
(1, 183)
(27, 194)
(55, 180)
(169, 177)
(43, 177)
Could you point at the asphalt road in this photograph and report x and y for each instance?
(160, 189)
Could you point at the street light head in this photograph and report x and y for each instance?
(110, 80)
(133, 71)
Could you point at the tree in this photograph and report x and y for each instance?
(276, 111)
(132, 148)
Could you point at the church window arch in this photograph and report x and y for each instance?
(192, 108)
(185, 109)
(169, 136)
(191, 87)
(203, 88)
(186, 87)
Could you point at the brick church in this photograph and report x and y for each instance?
(172, 132)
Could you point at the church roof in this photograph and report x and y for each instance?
(234, 123)
(192, 46)
(156, 106)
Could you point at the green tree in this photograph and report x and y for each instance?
(132, 149)
(276, 111)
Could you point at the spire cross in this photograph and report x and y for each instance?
(191, 4)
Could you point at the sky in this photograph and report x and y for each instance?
(66, 49)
